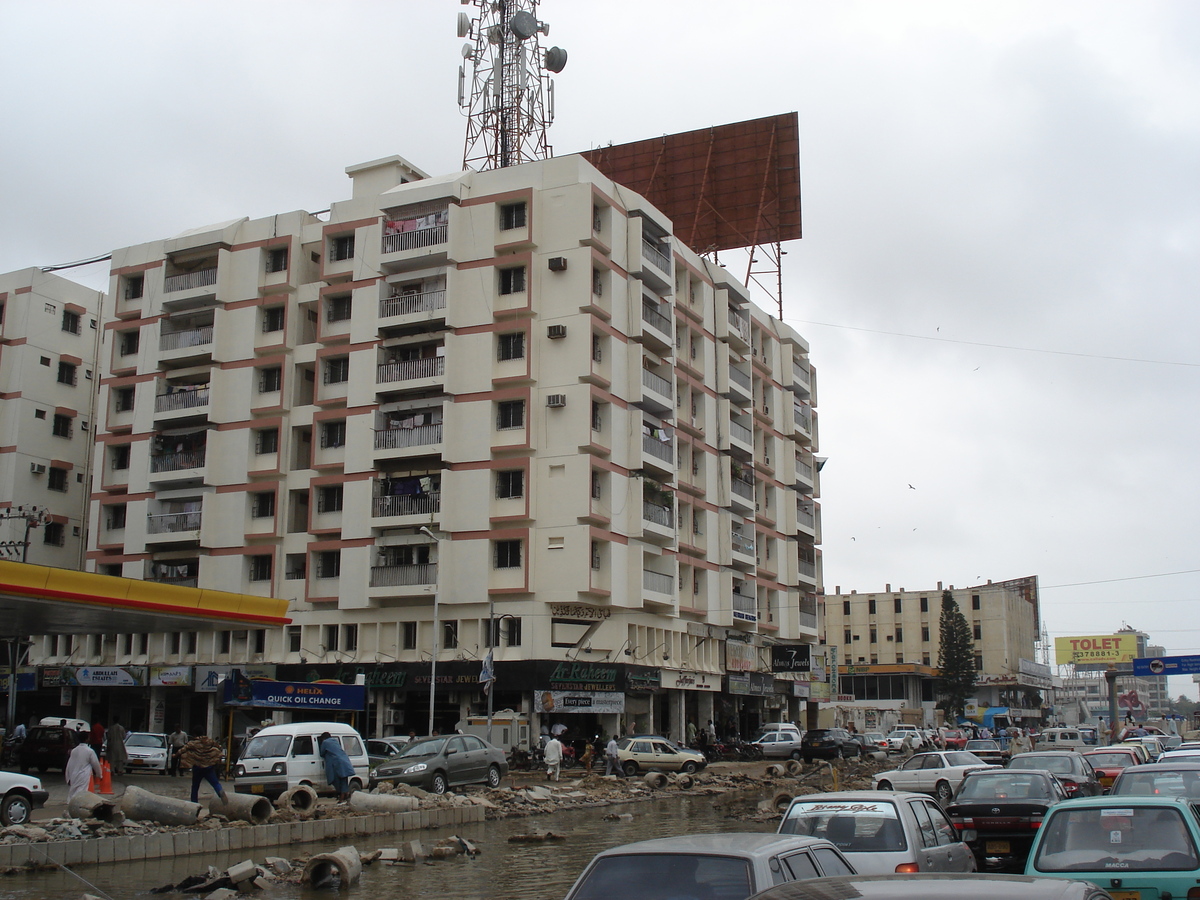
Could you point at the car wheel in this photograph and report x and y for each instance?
(690, 767)
(841, 754)
(437, 784)
(943, 792)
(355, 785)
(16, 809)
(630, 768)
(796, 755)
(493, 777)
(884, 785)
(807, 759)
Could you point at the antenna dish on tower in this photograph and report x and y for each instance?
(464, 24)
(556, 59)
(523, 25)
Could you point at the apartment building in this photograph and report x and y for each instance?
(493, 411)
(888, 645)
(49, 337)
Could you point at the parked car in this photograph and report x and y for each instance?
(146, 751)
(896, 736)
(878, 740)
(643, 753)
(1139, 847)
(934, 887)
(779, 726)
(1185, 754)
(1110, 762)
(1060, 739)
(440, 763)
(882, 832)
(780, 745)
(46, 747)
(1152, 743)
(1176, 778)
(866, 747)
(281, 757)
(725, 866)
(999, 811)
(1078, 777)
(20, 795)
(989, 751)
(828, 743)
(953, 739)
(938, 773)
(1142, 751)
(1091, 736)
(379, 749)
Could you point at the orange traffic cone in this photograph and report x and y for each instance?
(105, 778)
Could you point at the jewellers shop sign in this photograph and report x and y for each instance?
(791, 658)
(580, 676)
(752, 684)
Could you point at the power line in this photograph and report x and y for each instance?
(1048, 587)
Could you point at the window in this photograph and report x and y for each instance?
(349, 637)
(449, 635)
(338, 308)
(294, 635)
(277, 260)
(262, 505)
(272, 319)
(597, 485)
(845, 607)
(512, 215)
(260, 567)
(510, 484)
(266, 440)
(979, 662)
(333, 434)
(874, 636)
(70, 321)
(120, 456)
(39, 414)
(408, 635)
(511, 346)
(61, 426)
(924, 604)
(57, 480)
(331, 637)
(66, 373)
(597, 348)
(512, 281)
(846, 636)
(974, 601)
(925, 633)
(295, 566)
(596, 555)
(597, 282)
(337, 370)
(329, 498)
(977, 631)
(341, 248)
(871, 606)
(897, 604)
(54, 534)
(270, 380)
(597, 416)
(508, 555)
(123, 399)
(44, 360)
(510, 414)
(509, 628)
(135, 286)
(116, 516)
(329, 564)
(899, 634)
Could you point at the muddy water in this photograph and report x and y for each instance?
(502, 871)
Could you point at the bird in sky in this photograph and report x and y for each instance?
(911, 488)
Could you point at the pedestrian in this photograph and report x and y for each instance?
(202, 755)
(116, 746)
(82, 766)
(338, 767)
(19, 732)
(589, 756)
(612, 757)
(691, 733)
(175, 744)
(712, 731)
(552, 754)
(909, 744)
(97, 738)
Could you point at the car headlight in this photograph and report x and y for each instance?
(280, 768)
(239, 771)
(414, 769)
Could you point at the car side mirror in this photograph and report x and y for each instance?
(451, 750)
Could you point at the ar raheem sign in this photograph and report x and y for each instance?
(1110, 648)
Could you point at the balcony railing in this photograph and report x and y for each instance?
(188, 398)
(408, 369)
(804, 515)
(658, 449)
(801, 374)
(407, 505)
(190, 581)
(808, 611)
(745, 606)
(410, 304)
(394, 576)
(192, 337)
(808, 568)
(171, 523)
(652, 316)
(742, 487)
(743, 544)
(741, 433)
(738, 377)
(803, 418)
(414, 240)
(804, 469)
(176, 462)
(657, 582)
(655, 254)
(656, 383)
(659, 515)
(399, 438)
(189, 280)
(740, 325)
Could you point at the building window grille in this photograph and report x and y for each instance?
(71, 322)
(329, 564)
(512, 215)
(333, 434)
(61, 426)
(512, 281)
(260, 567)
(277, 260)
(511, 346)
(337, 370)
(263, 506)
(330, 498)
(270, 380)
(67, 374)
(449, 635)
(339, 309)
(135, 286)
(508, 555)
(54, 533)
(510, 484)
(272, 319)
(57, 480)
(341, 248)
(510, 414)
(266, 441)
(408, 635)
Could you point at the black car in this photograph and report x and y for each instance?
(998, 812)
(46, 747)
(1072, 769)
(828, 743)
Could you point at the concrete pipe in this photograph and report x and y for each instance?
(343, 864)
(365, 802)
(86, 805)
(793, 767)
(782, 801)
(142, 805)
(683, 781)
(253, 808)
(302, 798)
(655, 780)
(776, 770)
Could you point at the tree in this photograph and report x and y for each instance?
(956, 658)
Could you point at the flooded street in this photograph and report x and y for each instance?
(502, 871)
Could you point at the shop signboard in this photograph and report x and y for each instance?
(95, 676)
(833, 672)
(642, 679)
(26, 680)
(294, 695)
(801, 689)
(819, 691)
(1104, 648)
(740, 656)
(206, 678)
(171, 676)
(817, 670)
(753, 684)
(582, 676)
(690, 681)
(791, 658)
(560, 702)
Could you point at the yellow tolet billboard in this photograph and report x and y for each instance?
(1105, 648)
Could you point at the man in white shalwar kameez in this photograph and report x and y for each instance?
(82, 765)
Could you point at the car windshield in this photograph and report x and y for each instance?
(145, 740)
(1164, 784)
(1058, 763)
(973, 746)
(1116, 839)
(263, 746)
(963, 758)
(1002, 786)
(855, 826)
(660, 876)
(427, 747)
(1109, 759)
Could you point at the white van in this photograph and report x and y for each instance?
(282, 756)
(1061, 739)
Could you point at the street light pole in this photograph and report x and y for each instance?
(434, 655)
(491, 687)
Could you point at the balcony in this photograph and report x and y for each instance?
(177, 462)
(407, 505)
(403, 438)
(745, 606)
(742, 544)
(190, 280)
(801, 378)
(191, 337)
(188, 581)
(657, 392)
(410, 369)
(741, 433)
(743, 486)
(658, 582)
(803, 418)
(805, 517)
(653, 252)
(740, 326)
(173, 523)
(185, 398)
(414, 239)
(409, 304)
(401, 575)
(653, 317)
(741, 379)
(808, 568)
(659, 515)
(660, 449)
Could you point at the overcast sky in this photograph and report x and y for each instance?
(998, 276)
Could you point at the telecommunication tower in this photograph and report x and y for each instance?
(508, 95)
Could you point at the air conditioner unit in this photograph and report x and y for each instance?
(37, 468)
(558, 264)
(91, 695)
(767, 461)
(556, 401)
(555, 332)
(393, 716)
